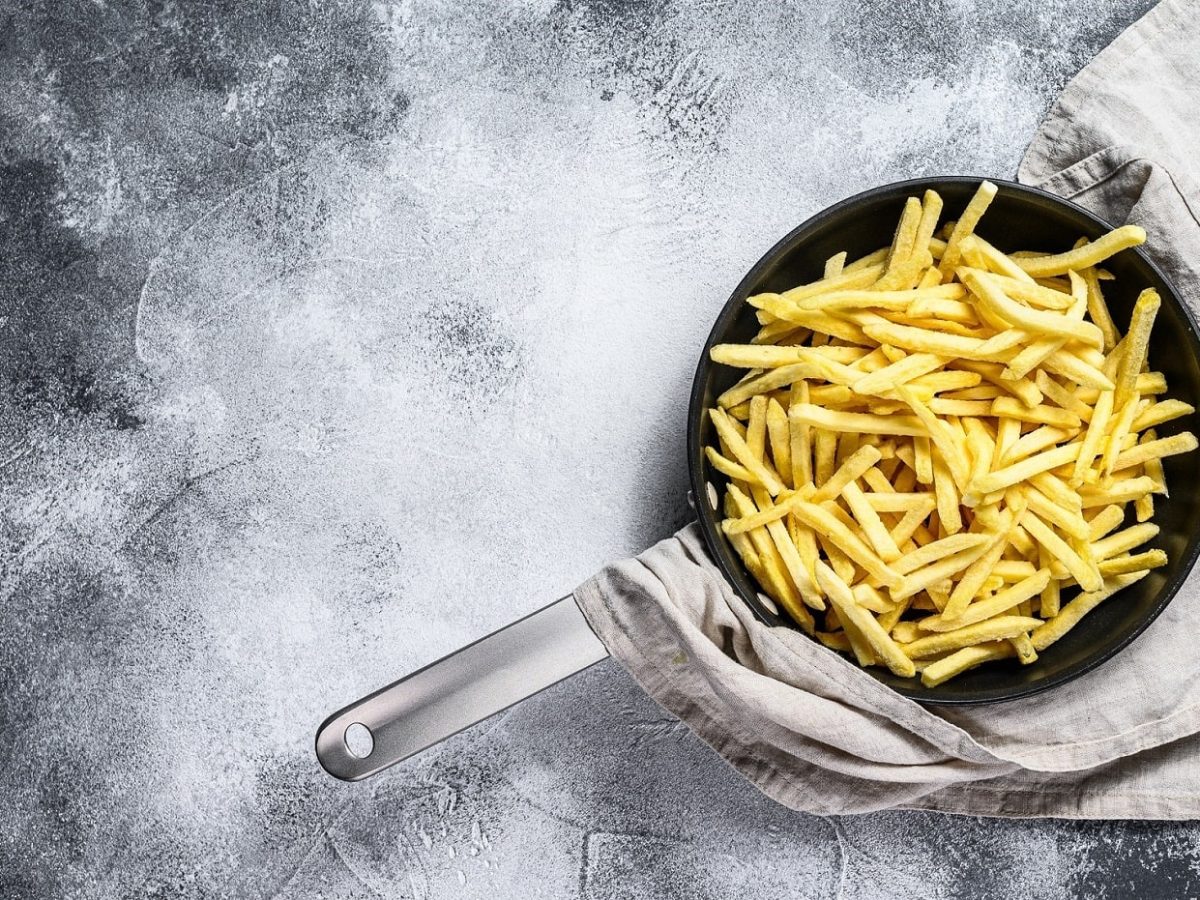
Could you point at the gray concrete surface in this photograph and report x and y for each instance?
(336, 335)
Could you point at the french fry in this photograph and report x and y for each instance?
(827, 525)
(861, 423)
(1035, 441)
(1053, 630)
(1144, 453)
(1052, 591)
(1087, 575)
(1065, 520)
(800, 449)
(834, 265)
(729, 467)
(897, 272)
(1123, 541)
(1088, 255)
(941, 671)
(742, 454)
(870, 523)
(964, 226)
(1024, 649)
(1020, 471)
(1105, 521)
(857, 464)
(999, 628)
(1123, 565)
(998, 604)
(1163, 411)
(937, 572)
(779, 436)
(946, 493)
(883, 380)
(1041, 322)
(1098, 308)
(849, 611)
(1010, 407)
(940, 549)
(893, 501)
(1119, 492)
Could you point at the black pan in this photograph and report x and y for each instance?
(1019, 218)
(556, 641)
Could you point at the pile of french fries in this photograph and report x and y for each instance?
(934, 444)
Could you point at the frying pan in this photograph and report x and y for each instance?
(555, 642)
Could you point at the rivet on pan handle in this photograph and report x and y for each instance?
(457, 691)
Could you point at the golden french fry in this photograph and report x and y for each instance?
(1010, 407)
(1122, 565)
(937, 572)
(800, 449)
(931, 553)
(853, 276)
(999, 628)
(895, 272)
(825, 524)
(859, 462)
(842, 597)
(946, 441)
(1021, 388)
(758, 356)
(1048, 632)
(964, 226)
(729, 467)
(1081, 570)
(1123, 541)
(1024, 649)
(996, 605)
(834, 265)
(1064, 362)
(1088, 255)
(764, 383)
(1020, 471)
(780, 440)
(741, 452)
(862, 423)
(984, 286)
(1163, 411)
(1068, 400)
(1035, 441)
(941, 671)
(1098, 308)
(1119, 492)
(870, 523)
(1105, 521)
(1143, 453)
(1068, 521)
(893, 501)
(910, 367)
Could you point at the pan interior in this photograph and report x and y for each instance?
(1019, 218)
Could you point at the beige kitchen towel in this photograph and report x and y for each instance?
(814, 731)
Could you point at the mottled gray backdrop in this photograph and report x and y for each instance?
(335, 335)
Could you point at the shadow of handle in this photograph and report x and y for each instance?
(458, 690)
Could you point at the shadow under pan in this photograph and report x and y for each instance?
(1019, 218)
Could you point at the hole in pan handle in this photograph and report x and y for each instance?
(457, 691)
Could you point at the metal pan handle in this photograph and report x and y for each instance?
(457, 691)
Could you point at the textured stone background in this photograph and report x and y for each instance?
(335, 335)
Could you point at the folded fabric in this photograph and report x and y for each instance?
(817, 733)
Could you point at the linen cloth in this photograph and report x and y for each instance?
(815, 732)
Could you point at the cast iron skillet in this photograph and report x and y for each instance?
(555, 642)
(1019, 218)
